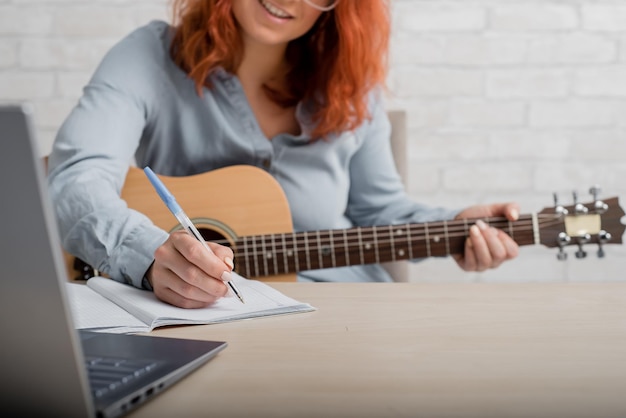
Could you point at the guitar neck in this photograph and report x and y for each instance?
(273, 254)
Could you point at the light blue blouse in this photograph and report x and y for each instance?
(140, 106)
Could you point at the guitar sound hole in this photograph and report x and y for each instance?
(214, 236)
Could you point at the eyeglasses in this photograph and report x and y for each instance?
(322, 5)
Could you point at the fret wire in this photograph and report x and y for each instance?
(332, 248)
(256, 260)
(375, 245)
(247, 259)
(306, 250)
(409, 242)
(296, 255)
(428, 250)
(345, 243)
(465, 227)
(264, 254)
(445, 232)
(403, 251)
(360, 245)
(274, 255)
(319, 250)
(285, 258)
(393, 247)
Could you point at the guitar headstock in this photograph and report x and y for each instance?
(596, 222)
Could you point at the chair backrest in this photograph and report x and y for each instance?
(399, 141)
(399, 270)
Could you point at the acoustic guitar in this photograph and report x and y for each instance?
(245, 208)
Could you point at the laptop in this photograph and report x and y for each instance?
(48, 367)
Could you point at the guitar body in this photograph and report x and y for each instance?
(226, 204)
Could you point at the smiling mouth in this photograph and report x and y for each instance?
(273, 10)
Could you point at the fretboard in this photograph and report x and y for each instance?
(273, 254)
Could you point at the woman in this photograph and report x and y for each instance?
(291, 86)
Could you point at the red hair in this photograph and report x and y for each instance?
(334, 65)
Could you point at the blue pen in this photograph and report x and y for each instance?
(184, 220)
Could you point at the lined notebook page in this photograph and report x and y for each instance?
(95, 311)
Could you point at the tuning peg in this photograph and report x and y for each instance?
(579, 208)
(603, 238)
(558, 209)
(583, 239)
(599, 205)
(563, 240)
(595, 191)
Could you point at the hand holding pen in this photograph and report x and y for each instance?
(186, 277)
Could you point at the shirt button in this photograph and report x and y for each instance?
(266, 163)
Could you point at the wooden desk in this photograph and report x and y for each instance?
(412, 350)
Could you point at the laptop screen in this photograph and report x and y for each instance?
(35, 321)
(44, 362)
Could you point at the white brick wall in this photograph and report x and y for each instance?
(513, 99)
(49, 48)
(507, 100)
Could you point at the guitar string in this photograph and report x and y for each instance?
(453, 231)
(352, 246)
(438, 234)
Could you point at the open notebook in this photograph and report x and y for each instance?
(106, 305)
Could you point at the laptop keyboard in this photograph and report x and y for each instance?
(107, 374)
